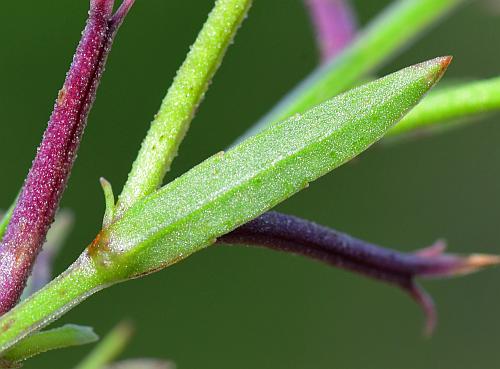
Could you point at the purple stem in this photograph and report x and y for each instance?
(334, 25)
(46, 181)
(291, 234)
(41, 273)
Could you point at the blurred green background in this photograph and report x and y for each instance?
(252, 308)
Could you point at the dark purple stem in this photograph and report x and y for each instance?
(334, 25)
(46, 181)
(291, 234)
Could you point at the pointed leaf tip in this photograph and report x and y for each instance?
(476, 262)
(437, 264)
(446, 61)
(437, 67)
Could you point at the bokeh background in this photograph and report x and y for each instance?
(252, 308)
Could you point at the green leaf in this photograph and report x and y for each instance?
(393, 29)
(179, 106)
(451, 104)
(109, 198)
(65, 336)
(109, 348)
(226, 191)
(232, 188)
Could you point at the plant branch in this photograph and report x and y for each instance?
(46, 181)
(226, 191)
(451, 104)
(177, 110)
(294, 235)
(43, 307)
(383, 37)
(42, 270)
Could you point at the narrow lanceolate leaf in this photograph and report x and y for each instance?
(232, 188)
(395, 28)
(291, 234)
(451, 104)
(46, 181)
(334, 25)
(226, 191)
(65, 336)
(109, 348)
(179, 106)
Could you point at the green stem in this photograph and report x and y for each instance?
(158, 150)
(80, 281)
(179, 106)
(451, 103)
(389, 32)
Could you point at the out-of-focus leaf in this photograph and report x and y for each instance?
(142, 364)
(392, 30)
(334, 25)
(444, 106)
(109, 348)
(65, 336)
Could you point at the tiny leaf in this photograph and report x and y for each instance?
(109, 198)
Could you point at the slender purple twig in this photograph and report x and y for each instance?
(41, 273)
(291, 234)
(46, 181)
(334, 24)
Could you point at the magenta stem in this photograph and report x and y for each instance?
(334, 25)
(46, 181)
